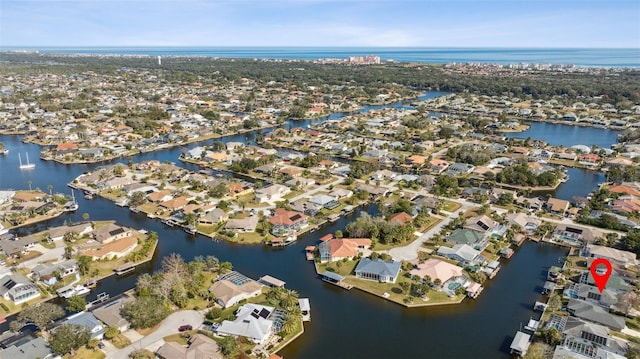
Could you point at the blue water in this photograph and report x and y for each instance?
(580, 57)
(567, 135)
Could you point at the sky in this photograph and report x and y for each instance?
(345, 23)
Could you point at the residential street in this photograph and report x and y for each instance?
(169, 326)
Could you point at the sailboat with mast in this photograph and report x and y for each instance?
(28, 165)
(73, 206)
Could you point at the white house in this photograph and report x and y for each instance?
(253, 321)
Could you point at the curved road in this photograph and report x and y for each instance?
(169, 326)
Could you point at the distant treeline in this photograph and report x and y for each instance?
(620, 87)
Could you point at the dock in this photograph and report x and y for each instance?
(309, 250)
(124, 269)
(305, 308)
(335, 279)
(102, 297)
(333, 217)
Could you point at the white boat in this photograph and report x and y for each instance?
(26, 166)
(74, 204)
(4, 151)
(81, 290)
(66, 292)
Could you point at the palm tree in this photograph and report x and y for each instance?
(289, 324)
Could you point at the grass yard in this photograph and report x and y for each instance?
(450, 206)
(248, 238)
(120, 341)
(429, 223)
(177, 338)
(84, 353)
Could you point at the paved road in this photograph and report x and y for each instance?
(169, 326)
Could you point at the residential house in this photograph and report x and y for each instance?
(438, 165)
(623, 258)
(291, 171)
(29, 348)
(588, 339)
(339, 248)
(401, 218)
(465, 236)
(47, 271)
(199, 347)
(437, 269)
(213, 217)
(89, 321)
(378, 270)
(160, 196)
(17, 246)
(462, 253)
(589, 159)
(287, 222)
(458, 169)
(340, 193)
(111, 232)
(238, 189)
(373, 190)
(306, 207)
(247, 224)
(253, 321)
(175, 204)
(18, 288)
(325, 201)
(271, 193)
(482, 224)
(526, 223)
(557, 206)
(231, 288)
(117, 248)
(57, 233)
(606, 298)
(594, 313)
(300, 182)
(624, 189)
(110, 314)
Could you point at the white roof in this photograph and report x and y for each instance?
(304, 304)
(520, 342)
(247, 324)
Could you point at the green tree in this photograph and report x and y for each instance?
(40, 314)
(137, 198)
(228, 346)
(68, 337)
(93, 344)
(111, 332)
(84, 264)
(76, 304)
(145, 312)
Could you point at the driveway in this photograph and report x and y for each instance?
(169, 326)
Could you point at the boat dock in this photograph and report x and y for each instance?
(309, 250)
(335, 279)
(102, 297)
(124, 269)
(305, 308)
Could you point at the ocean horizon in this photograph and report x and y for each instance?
(592, 57)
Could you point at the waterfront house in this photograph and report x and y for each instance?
(306, 207)
(57, 233)
(590, 293)
(624, 189)
(199, 346)
(63, 269)
(175, 204)
(253, 321)
(18, 288)
(584, 339)
(117, 248)
(589, 159)
(621, 257)
(437, 269)
(286, 222)
(231, 288)
(89, 321)
(378, 270)
(325, 201)
(213, 217)
(339, 248)
(481, 224)
(465, 236)
(110, 314)
(160, 196)
(300, 182)
(340, 193)
(557, 206)
(111, 232)
(401, 218)
(526, 223)
(462, 253)
(373, 190)
(594, 313)
(247, 224)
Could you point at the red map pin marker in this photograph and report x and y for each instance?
(601, 279)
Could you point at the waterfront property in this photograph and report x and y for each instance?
(18, 289)
(199, 346)
(253, 321)
(231, 288)
(378, 270)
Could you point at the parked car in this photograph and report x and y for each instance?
(184, 328)
(101, 345)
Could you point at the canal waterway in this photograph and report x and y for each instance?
(345, 324)
(557, 134)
